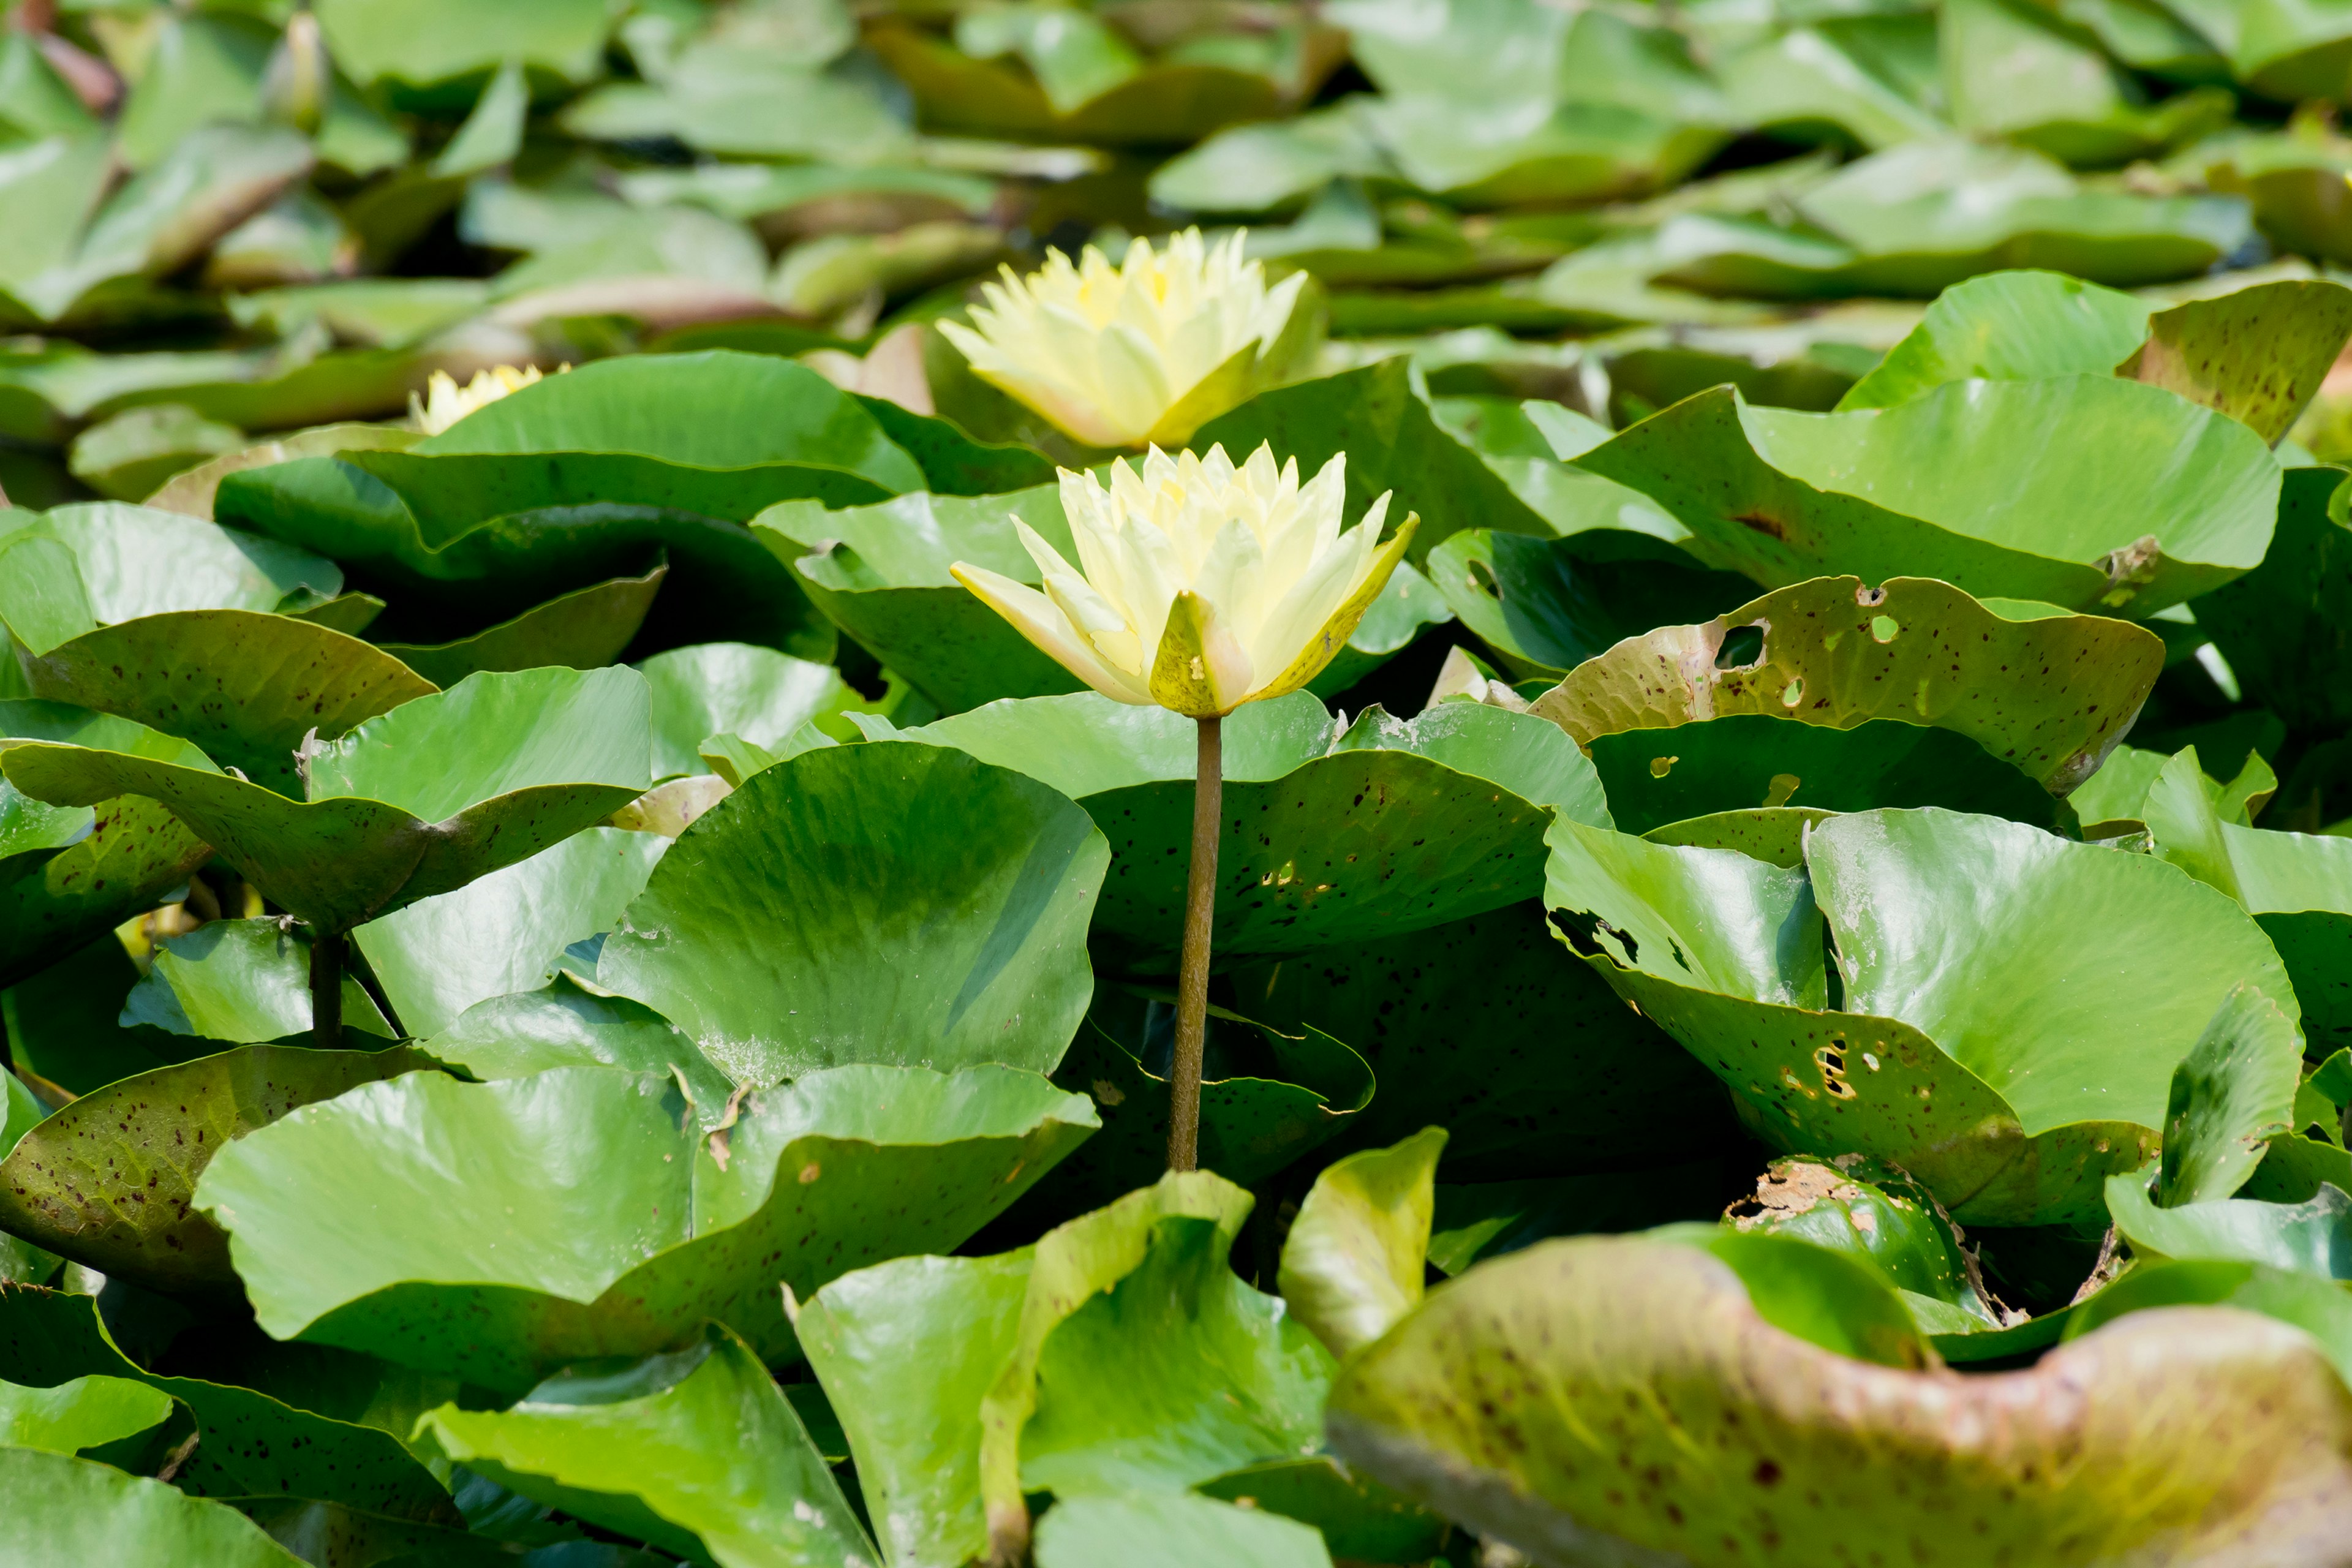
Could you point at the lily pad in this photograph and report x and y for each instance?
(65, 1023)
(2007, 326)
(661, 430)
(585, 629)
(2257, 355)
(696, 1451)
(73, 1417)
(66, 1510)
(507, 932)
(869, 903)
(1353, 1263)
(1359, 1519)
(1639, 1339)
(2150, 502)
(565, 1024)
(721, 585)
(538, 1221)
(2019, 72)
(249, 1443)
(2312, 1238)
(1878, 1215)
(2231, 1096)
(754, 693)
(1970, 1045)
(421, 801)
(133, 560)
(108, 1180)
(245, 686)
(1836, 652)
(2298, 886)
(247, 982)
(1330, 835)
(69, 874)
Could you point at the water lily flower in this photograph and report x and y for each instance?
(445, 402)
(1145, 351)
(1201, 585)
(1204, 587)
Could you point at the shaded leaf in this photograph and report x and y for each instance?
(1353, 1262)
(583, 630)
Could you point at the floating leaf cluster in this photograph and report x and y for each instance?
(573, 997)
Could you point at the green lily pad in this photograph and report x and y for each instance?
(2018, 72)
(1970, 1045)
(418, 802)
(2312, 1238)
(696, 1451)
(869, 903)
(567, 1216)
(954, 464)
(662, 430)
(2257, 355)
(108, 1180)
(192, 492)
(1487, 1027)
(2298, 886)
(21, 1263)
(133, 560)
(250, 1443)
(754, 693)
(1478, 1220)
(2283, 626)
(881, 573)
(1878, 1215)
(245, 686)
(507, 932)
(438, 42)
(87, 1413)
(2234, 1091)
(2321, 1309)
(1118, 1353)
(246, 982)
(1169, 1531)
(66, 1510)
(2287, 53)
(1353, 1265)
(2007, 326)
(585, 629)
(1393, 444)
(1835, 652)
(565, 1024)
(2151, 501)
(129, 456)
(721, 585)
(68, 875)
(1169, 103)
(1331, 837)
(1639, 1338)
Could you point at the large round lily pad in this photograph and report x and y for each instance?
(421, 801)
(2150, 500)
(515, 1227)
(1625, 1399)
(869, 904)
(2049, 696)
(2010, 1006)
(1331, 836)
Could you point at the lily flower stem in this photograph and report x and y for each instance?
(1192, 978)
(327, 991)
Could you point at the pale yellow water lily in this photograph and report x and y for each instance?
(445, 402)
(1145, 351)
(1200, 586)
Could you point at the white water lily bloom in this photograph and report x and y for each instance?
(445, 402)
(1149, 350)
(1200, 586)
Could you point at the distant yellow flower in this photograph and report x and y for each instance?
(1204, 587)
(445, 402)
(1149, 350)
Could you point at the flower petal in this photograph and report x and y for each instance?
(1327, 639)
(1040, 620)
